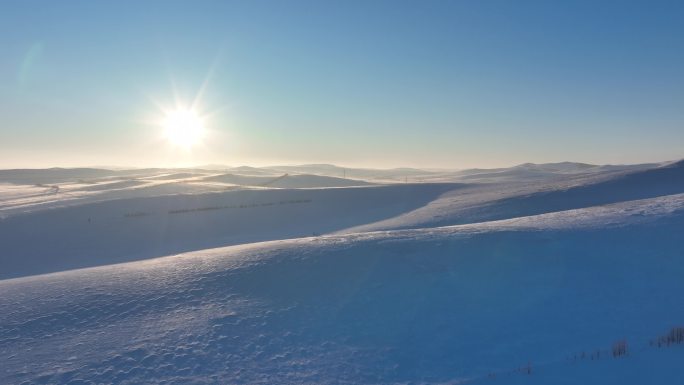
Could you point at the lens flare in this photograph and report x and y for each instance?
(183, 128)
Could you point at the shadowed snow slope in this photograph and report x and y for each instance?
(121, 230)
(486, 202)
(416, 306)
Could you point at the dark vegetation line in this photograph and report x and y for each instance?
(137, 214)
(241, 206)
(619, 349)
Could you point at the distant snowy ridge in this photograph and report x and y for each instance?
(495, 201)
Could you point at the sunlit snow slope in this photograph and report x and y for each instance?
(536, 286)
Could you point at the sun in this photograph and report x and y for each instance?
(183, 128)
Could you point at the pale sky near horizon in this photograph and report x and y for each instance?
(452, 84)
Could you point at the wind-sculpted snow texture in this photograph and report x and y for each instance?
(523, 299)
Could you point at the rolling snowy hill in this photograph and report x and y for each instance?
(128, 229)
(503, 282)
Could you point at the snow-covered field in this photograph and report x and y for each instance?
(526, 275)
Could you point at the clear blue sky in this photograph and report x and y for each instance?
(362, 83)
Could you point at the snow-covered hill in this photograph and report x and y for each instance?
(479, 202)
(120, 230)
(503, 280)
(417, 306)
